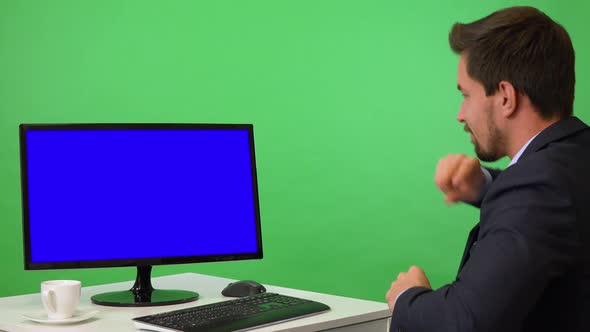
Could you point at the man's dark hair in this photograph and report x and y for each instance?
(525, 47)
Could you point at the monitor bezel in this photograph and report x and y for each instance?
(29, 265)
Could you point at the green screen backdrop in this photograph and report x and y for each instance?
(353, 103)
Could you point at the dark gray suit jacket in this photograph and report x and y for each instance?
(526, 265)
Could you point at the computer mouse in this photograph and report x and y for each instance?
(243, 288)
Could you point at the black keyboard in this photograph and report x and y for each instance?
(234, 315)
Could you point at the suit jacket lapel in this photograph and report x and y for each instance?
(471, 240)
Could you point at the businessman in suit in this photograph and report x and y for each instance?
(526, 265)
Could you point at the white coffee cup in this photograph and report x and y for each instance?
(60, 297)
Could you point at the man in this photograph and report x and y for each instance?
(526, 266)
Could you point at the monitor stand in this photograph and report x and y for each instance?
(142, 294)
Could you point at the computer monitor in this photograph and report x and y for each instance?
(115, 195)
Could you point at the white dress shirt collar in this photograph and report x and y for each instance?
(519, 153)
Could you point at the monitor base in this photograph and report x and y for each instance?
(142, 294)
(144, 299)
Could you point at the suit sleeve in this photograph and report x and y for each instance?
(527, 237)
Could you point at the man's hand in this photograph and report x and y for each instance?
(459, 177)
(415, 277)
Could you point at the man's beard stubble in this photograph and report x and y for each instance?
(495, 141)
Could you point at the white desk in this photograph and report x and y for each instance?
(347, 314)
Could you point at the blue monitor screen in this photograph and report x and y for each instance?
(114, 193)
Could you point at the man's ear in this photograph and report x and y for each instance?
(508, 98)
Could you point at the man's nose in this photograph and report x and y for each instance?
(461, 115)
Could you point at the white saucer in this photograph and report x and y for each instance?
(41, 317)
